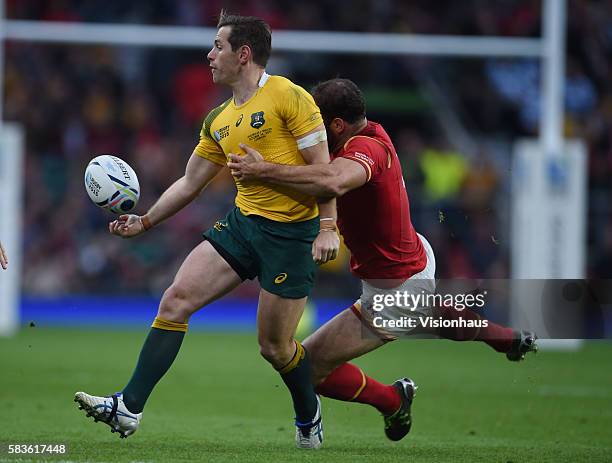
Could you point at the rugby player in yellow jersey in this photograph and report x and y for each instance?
(273, 233)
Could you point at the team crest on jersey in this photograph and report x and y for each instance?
(257, 119)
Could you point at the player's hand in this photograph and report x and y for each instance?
(325, 246)
(248, 166)
(126, 226)
(3, 258)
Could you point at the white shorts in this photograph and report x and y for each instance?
(387, 311)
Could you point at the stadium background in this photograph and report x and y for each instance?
(453, 122)
(148, 104)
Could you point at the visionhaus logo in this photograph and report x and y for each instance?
(427, 322)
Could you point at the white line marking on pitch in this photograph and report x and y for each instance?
(574, 391)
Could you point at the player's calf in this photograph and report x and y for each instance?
(296, 375)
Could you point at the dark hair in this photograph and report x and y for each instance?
(251, 31)
(339, 98)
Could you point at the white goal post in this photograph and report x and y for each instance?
(549, 49)
(11, 207)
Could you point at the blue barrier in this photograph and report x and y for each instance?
(129, 312)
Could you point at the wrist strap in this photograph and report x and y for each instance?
(145, 222)
(327, 224)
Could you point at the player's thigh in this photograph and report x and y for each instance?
(341, 339)
(278, 317)
(203, 277)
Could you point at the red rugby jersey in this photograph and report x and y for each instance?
(374, 219)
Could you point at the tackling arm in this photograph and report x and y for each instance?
(330, 180)
(321, 180)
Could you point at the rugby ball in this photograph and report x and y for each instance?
(112, 184)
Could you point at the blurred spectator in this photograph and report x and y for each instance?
(443, 172)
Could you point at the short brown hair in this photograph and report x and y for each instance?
(339, 98)
(251, 31)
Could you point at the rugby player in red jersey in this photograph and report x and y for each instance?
(386, 253)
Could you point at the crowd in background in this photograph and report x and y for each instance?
(146, 105)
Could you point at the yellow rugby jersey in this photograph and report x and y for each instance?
(270, 121)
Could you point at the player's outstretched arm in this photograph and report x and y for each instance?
(321, 180)
(3, 257)
(198, 174)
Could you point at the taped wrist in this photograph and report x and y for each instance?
(328, 224)
(145, 222)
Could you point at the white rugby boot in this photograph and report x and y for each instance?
(110, 410)
(310, 435)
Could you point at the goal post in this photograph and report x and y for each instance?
(11, 207)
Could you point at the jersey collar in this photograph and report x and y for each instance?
(263, 79)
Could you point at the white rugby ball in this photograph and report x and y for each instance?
(112, 184)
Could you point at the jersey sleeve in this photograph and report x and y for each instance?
(207, 147)
(299, 110)
(371, 154)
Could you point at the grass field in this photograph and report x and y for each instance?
(221, 402)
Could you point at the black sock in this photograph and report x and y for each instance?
(157, 355)
(297, 375)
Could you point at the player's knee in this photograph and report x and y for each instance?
(276, 353)
(176, 305)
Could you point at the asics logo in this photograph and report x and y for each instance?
(280, 278)
(319, 432)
